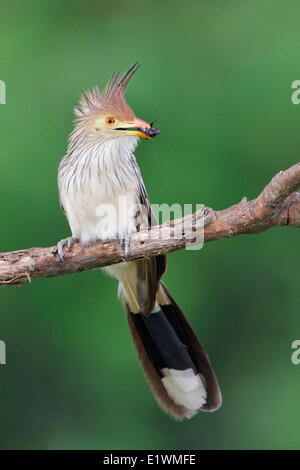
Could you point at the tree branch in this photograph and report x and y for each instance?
(276, 205)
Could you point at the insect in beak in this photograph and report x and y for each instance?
(154, 120)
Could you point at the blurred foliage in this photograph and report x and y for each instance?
(218, 75)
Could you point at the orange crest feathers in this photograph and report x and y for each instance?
(111, 101)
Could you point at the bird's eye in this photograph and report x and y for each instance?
(110, 120)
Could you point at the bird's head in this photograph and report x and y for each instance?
(108, 116)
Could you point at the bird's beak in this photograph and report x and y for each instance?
(139, 128)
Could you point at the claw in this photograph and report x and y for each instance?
(65, 242)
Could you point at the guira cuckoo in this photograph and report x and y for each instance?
(99, 171)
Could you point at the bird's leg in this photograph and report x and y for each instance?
(62, 243)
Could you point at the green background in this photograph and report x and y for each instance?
(218, 75)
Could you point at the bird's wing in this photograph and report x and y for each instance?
(150, 270)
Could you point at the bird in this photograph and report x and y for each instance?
(98, 173)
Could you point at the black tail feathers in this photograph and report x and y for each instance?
(174, 362)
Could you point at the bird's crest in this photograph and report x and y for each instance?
(112, 100)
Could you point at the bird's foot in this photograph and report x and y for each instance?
(65, 242)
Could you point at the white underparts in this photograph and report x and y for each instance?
(99, 189)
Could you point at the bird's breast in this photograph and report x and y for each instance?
(100, 198)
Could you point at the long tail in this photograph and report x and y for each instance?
(174, 362)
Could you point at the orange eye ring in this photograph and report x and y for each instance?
(110, 121)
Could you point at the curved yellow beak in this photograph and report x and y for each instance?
(140, 128)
